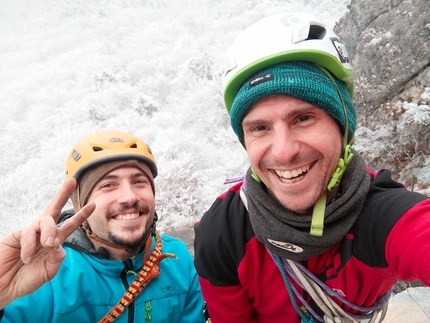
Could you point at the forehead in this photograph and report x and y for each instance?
(126, 171)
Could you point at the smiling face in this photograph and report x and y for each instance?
(293, 147)
(125, 208)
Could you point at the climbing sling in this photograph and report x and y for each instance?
(324, 296)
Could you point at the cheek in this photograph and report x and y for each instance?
(147, 195)
(332, 154)
(255, 150)
(327, 139)
(254, 155)
(103, 204)
(94, 221)
(98, 198)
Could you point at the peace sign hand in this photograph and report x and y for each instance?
(31, 256)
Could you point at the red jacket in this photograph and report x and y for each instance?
(241, 283)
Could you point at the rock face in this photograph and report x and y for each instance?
(388, 42)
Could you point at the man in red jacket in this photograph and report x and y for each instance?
(310, 234)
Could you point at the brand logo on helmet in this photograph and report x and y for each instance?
(116, 139)
(341, 50)
(286, 246)
(76, 155)
(289, 20)
(261, 79)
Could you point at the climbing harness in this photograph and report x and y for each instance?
(149, 270)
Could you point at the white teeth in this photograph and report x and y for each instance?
(288, 174)
(128, 216)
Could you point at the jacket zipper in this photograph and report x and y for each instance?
(128, 269)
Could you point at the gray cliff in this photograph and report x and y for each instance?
(388, 42)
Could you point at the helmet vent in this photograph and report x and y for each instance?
(133, 146)
(316, 32)
(96, 148)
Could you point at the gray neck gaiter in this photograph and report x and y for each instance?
(286, 233)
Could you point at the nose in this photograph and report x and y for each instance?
(127, 195)
(285, 145)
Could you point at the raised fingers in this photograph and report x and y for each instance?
(48, 220)
(43, 231)
(72, 223)
(55, 206)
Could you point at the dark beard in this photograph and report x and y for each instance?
(130, 245)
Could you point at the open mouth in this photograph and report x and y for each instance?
(293, 176)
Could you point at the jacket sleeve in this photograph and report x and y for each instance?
(194, 306)
(35, 307)
(227, 304)
(220, 246)
(408, 245)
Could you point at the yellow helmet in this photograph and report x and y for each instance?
(105, 146)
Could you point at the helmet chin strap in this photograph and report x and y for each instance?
(317, 223)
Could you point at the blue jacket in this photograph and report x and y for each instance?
(87, 287)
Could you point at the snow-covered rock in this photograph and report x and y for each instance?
(410, 306)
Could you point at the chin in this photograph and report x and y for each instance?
(127, 241)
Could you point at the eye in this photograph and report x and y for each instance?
(259, 128)
(106, 185)
(141, 181)
(304, 118)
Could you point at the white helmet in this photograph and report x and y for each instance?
(281, 38)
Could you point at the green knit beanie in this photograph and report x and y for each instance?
(302, 80)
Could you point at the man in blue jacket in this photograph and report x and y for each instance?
(106, 262)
